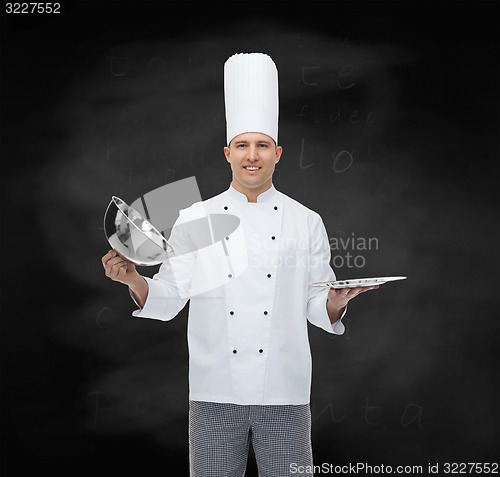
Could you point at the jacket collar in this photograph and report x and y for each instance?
(266, 196)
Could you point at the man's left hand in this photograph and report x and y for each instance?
(338, 299)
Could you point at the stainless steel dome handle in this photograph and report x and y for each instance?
(133, 236)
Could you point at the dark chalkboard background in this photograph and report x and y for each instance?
(389, 123)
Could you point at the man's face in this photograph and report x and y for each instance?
(252, 157)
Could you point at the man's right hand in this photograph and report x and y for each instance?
(119, 269)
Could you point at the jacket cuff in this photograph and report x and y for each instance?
(156, 302)
(338, 327)
(318, 315)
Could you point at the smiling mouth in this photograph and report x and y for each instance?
(251, 168)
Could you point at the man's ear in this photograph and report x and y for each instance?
(279, 151)
(227, 153)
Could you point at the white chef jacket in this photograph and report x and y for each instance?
(247, 338)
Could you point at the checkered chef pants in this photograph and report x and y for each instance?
(220, 435)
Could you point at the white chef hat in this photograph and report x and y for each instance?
(251, 95)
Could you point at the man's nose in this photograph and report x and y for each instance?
(253, 153)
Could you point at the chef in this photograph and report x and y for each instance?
(249, 354)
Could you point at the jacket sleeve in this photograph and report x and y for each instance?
(169, 289)
(320, 271)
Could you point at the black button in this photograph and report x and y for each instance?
(229, 275)
(225, 207)
(268, 275)
(273, 237)
(231, 312)
(227, 238)
(234, 351)
(265, 313)
(275, 207)
(261, 350)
